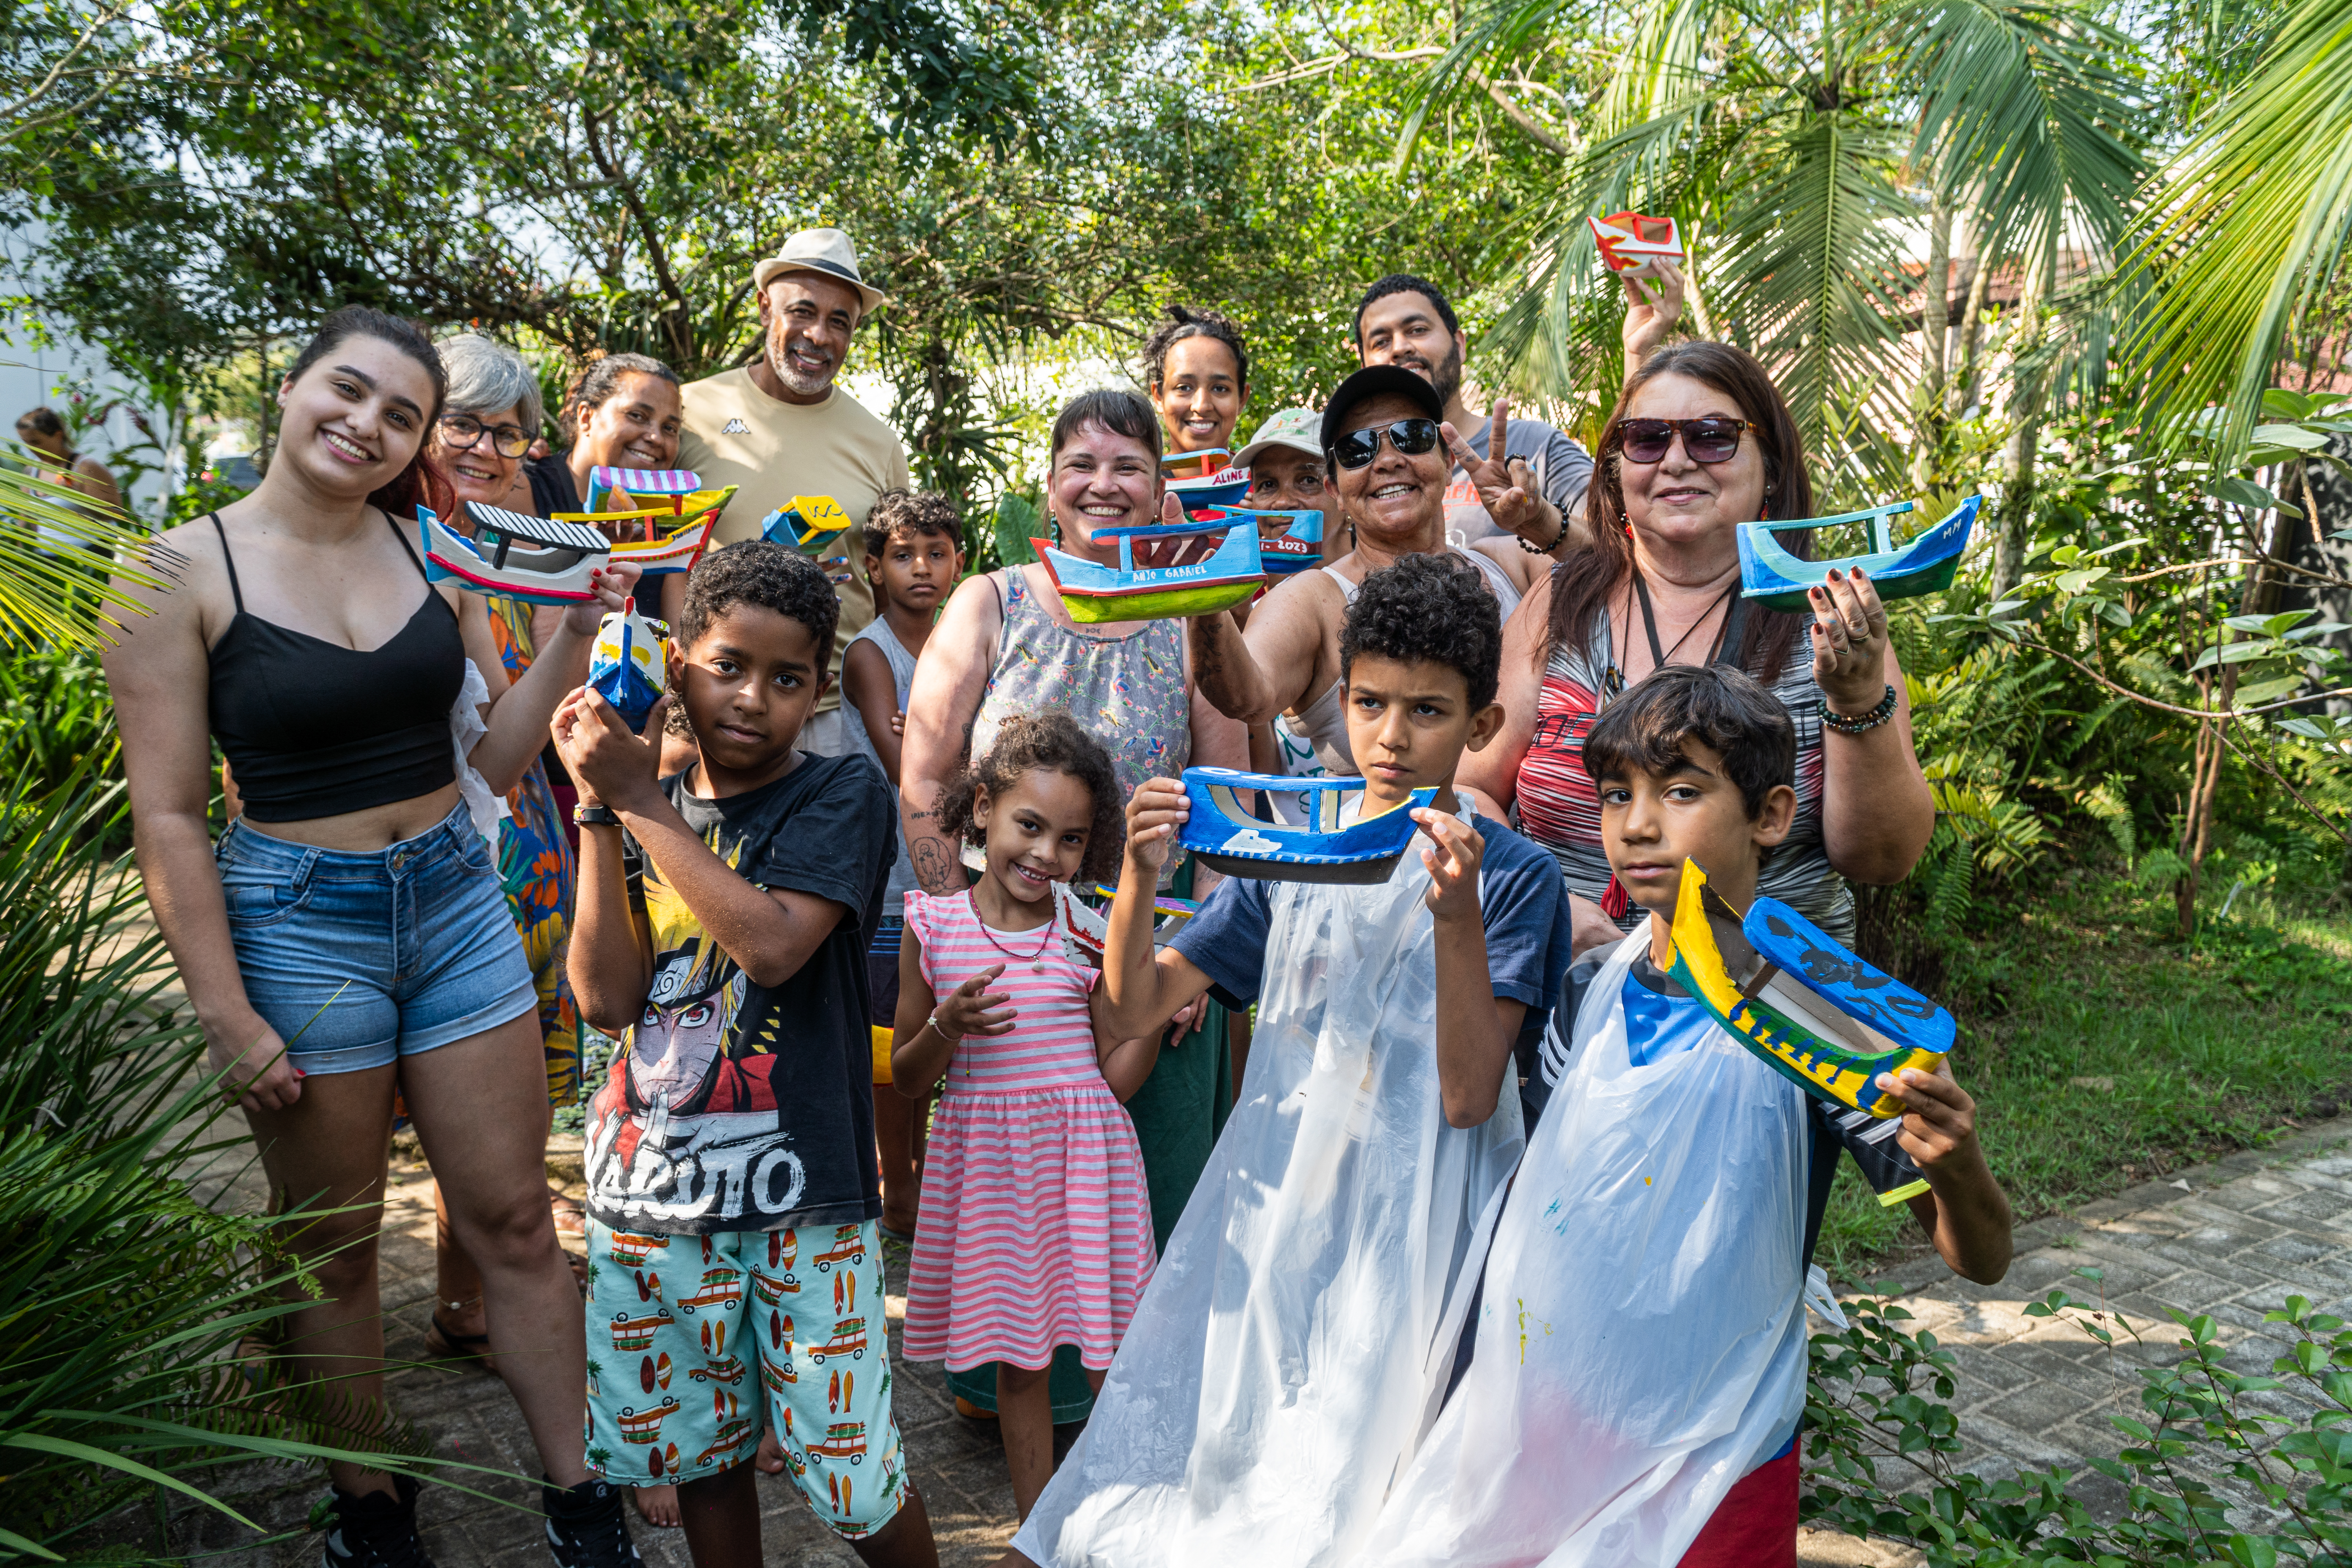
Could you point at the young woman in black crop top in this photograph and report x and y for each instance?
(348, 934)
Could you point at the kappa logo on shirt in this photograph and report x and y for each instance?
(735, 428)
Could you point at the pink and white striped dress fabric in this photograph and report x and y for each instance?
(1036, 1227)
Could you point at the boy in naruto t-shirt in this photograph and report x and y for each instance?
(735, 1261)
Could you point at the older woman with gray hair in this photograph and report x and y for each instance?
(491, 417)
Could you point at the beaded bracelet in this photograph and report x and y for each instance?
(1856, 723)
(1545, 550)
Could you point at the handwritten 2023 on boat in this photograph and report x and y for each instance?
(1815, 1012)
(1229, 836)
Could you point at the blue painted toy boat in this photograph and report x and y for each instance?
(1287, 541)
(1925, 564)
(1206, 463)
(810, 524)
(625, 666)
(1191, 569)
(1816, 1013)
(1227, 837)
(512, 554)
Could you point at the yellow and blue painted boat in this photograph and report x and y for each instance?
(1816, 1013)
(1923, 564)
(810, 524)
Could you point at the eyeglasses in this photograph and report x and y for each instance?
(1711, 440)
(462, 433)
(1357, 448)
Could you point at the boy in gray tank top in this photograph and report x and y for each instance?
(914, 554)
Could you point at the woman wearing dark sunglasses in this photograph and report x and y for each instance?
(1699, 443)
(1389, 458)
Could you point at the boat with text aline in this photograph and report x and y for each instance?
(1813, 1011)
(1228, 835)
(1923, 564)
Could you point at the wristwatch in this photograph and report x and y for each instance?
(594, 816)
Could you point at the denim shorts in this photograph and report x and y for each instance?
(358, 960)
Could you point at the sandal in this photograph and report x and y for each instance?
(444, 1344)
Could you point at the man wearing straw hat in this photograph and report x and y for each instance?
(780, 427)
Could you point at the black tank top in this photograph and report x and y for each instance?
(314, 729)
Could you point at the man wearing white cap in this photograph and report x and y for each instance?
(780, 427)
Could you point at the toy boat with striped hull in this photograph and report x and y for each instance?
(1188, 569)
(1925, 564)
(1816, 1013)
(1227, 837)
(810, 524)
(638, 484)
(1287, 541)
(542, 560)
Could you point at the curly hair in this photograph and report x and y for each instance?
(763, 573)
(1052, 742)
(1432, 607)
(1183, 321)
(911, 511)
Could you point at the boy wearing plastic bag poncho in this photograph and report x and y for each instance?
(1639, 1367)
(1282, 1362)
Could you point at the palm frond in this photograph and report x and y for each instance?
(2250, 231)
(57, 546)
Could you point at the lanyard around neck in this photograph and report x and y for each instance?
(1725, 649)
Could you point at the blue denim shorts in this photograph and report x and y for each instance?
(358, 959)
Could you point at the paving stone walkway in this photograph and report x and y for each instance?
(2232, 1239)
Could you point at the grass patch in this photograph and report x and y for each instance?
(2104, 1051)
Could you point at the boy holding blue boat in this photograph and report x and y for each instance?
(1639, 1354)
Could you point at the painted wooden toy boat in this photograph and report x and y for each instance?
(1190, 569)
(1229, 838)
(543, 561)
(1925, 564)
(1086, 929)
(638, 484)
(1206, 463)
(625, 666)
(1287, 541)
(675, 551)
(1819, 1016)
(810, 524)
(1217, 490)
(1632, 245)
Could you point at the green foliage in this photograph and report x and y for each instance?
(1881, 1441)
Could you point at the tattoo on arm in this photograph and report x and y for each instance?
(933, 869)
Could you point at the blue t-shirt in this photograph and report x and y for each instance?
(1523, 906)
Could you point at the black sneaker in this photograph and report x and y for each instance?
(586, 1527)
(375, 1531)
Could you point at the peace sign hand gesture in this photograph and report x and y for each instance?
(1506, 485)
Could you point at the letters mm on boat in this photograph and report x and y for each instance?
(1632, 245)
(1229, 838)
(1815, 1012)
(1925, 564)
(1185, 569)
(810, 524)
(539, 560)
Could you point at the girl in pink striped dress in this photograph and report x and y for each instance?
(1036, 1229)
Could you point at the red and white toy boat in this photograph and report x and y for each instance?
(1632, 245)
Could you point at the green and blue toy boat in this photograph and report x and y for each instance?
(1923, 564)
(1196, 568)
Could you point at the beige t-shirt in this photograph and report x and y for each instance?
(737, 435)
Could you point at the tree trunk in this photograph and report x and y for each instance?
(1935, 326)
(2025, 401)
(1962, 392)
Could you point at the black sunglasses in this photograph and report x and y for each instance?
(463, 432)
(1710, 440)
(1357, 448)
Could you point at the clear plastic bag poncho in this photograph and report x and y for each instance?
(1279, 1371)
(1640, 1335)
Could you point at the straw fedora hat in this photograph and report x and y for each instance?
(825, 250)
